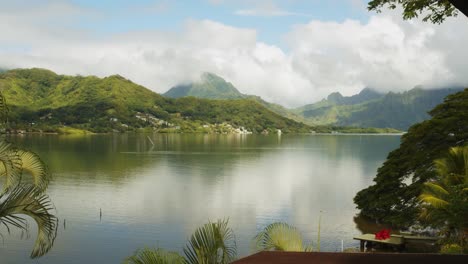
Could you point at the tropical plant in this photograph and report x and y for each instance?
(19, 198)
(154, 256)
(211, 243)
(280, 237)
(14, 163)
(445, 200)
(32, 202)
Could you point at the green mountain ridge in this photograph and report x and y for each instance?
(392, 110)
(368, 109)
(40, 100)
(211, 86)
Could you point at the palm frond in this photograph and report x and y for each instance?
(211, 243)
(33, 165)
(30, 201)
(434, 189)
(433, 201)
(10, 165)
(154, 256)
(453, 169)
(280, 236)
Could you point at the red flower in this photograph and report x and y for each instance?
(382, 234)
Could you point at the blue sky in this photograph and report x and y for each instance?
(271, 19)
(291, 52)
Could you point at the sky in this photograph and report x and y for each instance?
(291, 52)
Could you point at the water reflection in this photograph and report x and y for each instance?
(158, 196)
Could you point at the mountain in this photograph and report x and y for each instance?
(42, 100)
(210, 86)
(372, 109)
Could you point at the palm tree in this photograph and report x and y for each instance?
(155, 256)
(19, 198)
(14, 163)
(280, 237)
(213, 243)
(32, 202)
(445, 200)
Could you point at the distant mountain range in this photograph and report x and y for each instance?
(372, 109)
(40, 100)
(369, 108)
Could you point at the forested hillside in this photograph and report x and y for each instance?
(42, 100)
(371, 109)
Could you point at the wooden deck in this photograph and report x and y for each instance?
(277, 257)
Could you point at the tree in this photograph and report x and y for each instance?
(434, 10)
(393, 198)
(445, 200)
(280, 237)
(22, 198)
(213, 243)
(155, 256)
(32, 202)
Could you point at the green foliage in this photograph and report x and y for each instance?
(20, 198)
(445, 200)
(212, 243)
(393, 198)
(451, 249)
(154, 256)
(434, 10)
(42, 100)
(30, 201)
(280, 237)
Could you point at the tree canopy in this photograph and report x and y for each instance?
(394, 196)
(435, 11)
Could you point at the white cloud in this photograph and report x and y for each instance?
(385, 53)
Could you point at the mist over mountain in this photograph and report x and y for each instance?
(212, 86)
(368, 108)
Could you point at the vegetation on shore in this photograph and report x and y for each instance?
(418, 175)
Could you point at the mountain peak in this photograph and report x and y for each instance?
(209, 86)
(335, 97)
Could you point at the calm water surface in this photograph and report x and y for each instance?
(157, 196)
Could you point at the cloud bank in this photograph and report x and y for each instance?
(385, 53)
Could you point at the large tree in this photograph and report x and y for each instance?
(393, 198)
(434, 10)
